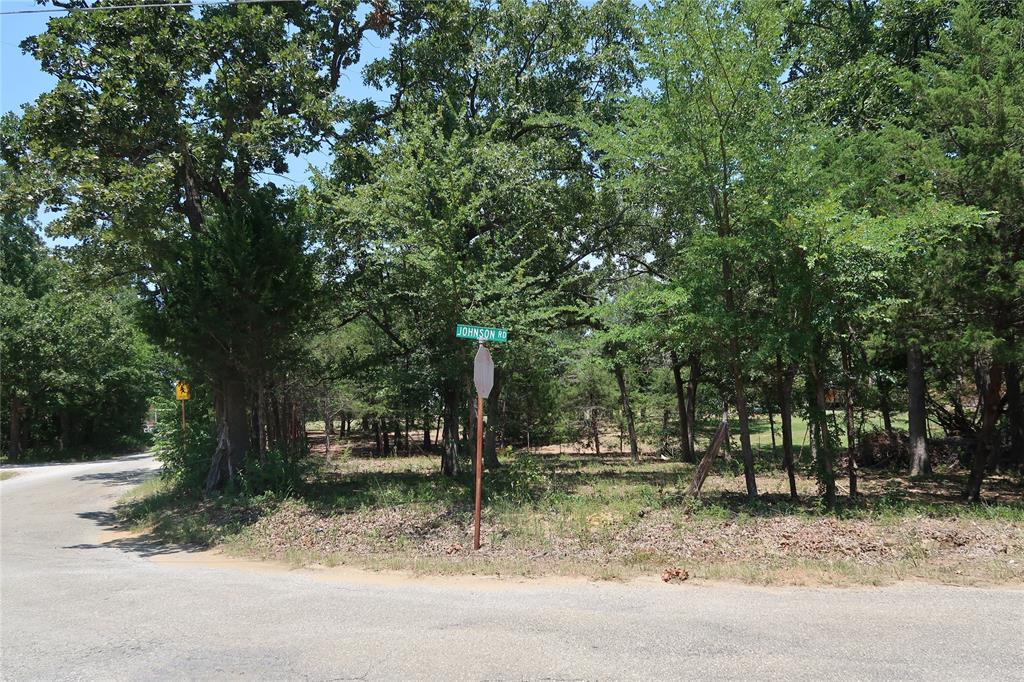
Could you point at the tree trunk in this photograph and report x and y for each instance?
(14, 449)
(427, 423)
(744, 419)
(237, 424)
(327, 443)
(386, 435)
(691, 400)
(378, 440)
(450, 433)
(233, 434)
(919, 464)
(886, 406)
(261, 423)
(684, 426)
(1015, 415)
(627, 411)
(812, 432)
(851, 429)
(595, 431)
(722, 209)
(704, 468)
(785, 378)
(471, 432)
(985, 448)
(494, 422)
(407, 442)
(823, 443)
(328, 418)
(277, 437)
(64, 416)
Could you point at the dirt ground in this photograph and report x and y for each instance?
(576, 514)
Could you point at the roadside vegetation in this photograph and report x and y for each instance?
(601, 517)
(761, 242)
(78, 370)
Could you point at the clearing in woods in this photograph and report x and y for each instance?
(574, 513)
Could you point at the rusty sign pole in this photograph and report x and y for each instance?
(479, 469)
(182, 414)
(483, 378)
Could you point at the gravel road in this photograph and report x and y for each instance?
(74, 607)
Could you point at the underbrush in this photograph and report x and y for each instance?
(85, 453)
(600, 518)
(183, 516)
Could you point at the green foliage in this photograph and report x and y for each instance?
(233, 297)
(275, 473)
(185, 454)
(75, 360)
(524, 479)
(769, 198)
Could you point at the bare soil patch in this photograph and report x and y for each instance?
(575, 514)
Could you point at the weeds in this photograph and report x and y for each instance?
(603, 518)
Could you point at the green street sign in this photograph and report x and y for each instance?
(469, 331)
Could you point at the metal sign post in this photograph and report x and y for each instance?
(479, 470)
(483, 378)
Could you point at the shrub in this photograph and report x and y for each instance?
(275, 473)
(185, 455)
(523, 480)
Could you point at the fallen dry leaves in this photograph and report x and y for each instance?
(659, 536)
(674, 575)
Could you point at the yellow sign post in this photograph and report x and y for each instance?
(181, 394)
(181, 391)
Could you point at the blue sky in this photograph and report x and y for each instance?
(22, 81)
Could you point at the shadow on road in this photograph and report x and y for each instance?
(144, 545)
(118, 478)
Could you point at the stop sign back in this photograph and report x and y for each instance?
(483, 372)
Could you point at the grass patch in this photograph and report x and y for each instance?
(156, 505)
(4, 475)
(604, 518)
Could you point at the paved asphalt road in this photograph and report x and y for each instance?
(74, 608)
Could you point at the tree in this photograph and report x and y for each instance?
(78, 371)
(969, 95)
(478, 204)
(158, 137)
(258, 251)
(452, 229)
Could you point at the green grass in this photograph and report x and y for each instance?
(761, 433)
(603, 518)
(181, 517)
(4, 475)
